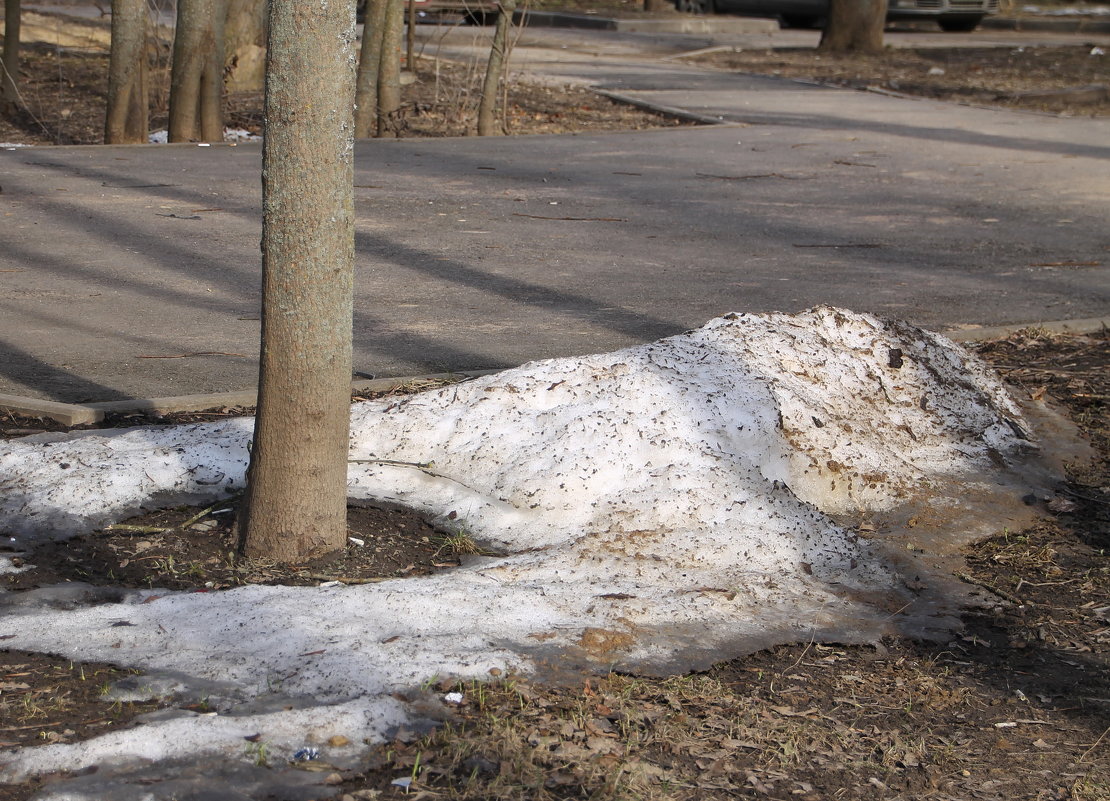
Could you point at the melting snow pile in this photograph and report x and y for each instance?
(662, 507)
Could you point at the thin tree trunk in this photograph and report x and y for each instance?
(410, 37)
(495, 69)
(196, 79)
(245, 45)
(369, 64)
(295, 506)
(9, 64)
(854, 26)
(389, 73)
(126, 122)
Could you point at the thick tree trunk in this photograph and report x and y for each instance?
(197, 76)
(389, 72)
(369, 64)
(126, 122)
(854, 26)
(495, 69)
(245, 45)
(296, 500)
(9, 64)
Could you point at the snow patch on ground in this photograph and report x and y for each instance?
(661, 507)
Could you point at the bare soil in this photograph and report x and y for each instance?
(1071, 81)
(66, 95)
(1015, 706)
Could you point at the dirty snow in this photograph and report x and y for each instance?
(661, 507)
(162, 137)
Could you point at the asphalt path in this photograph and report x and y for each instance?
(133, 271)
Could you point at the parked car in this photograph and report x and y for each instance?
(951, 15)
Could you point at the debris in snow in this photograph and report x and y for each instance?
(306, 754)
(240, 135)
(12, 564)
(230, 135)
(710, 481)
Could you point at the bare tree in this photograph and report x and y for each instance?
(295, 506)
(854, 26)
(389, 71)
(410, 35)
(245, 44)
(495, 69)
(196, 78)
(128, 114)
(9, 64)
(369, 63)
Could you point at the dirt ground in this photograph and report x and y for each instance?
(66, 93)
(1070, 81)
(1015, 706)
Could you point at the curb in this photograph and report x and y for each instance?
(974, 333)
(1086, 25)
(722, 23)
(71, 414)
(677, 24)
(75, 414)
(667, 111)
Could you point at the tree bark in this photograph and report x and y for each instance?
(369, 64)
(410, 36)
(126, 122)
(245, 45)
(296, 501)
(197, 75)
(495, 69)
(854, 26)
(389, 72)
(9, 64)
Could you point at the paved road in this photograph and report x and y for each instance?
(476, 253)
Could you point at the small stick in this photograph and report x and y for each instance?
(999, 592)
(346, 579)
(136, 529)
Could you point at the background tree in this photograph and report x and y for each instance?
(495, 69)
(410, 35)
(128, 111)
(9, 63)
(369, 63)
(296, 501)
(245, 45)
(197, 75)
(854, 26)
(389, 70)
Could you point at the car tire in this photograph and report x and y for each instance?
(800, 21)
(694, 6)
(959, 24)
